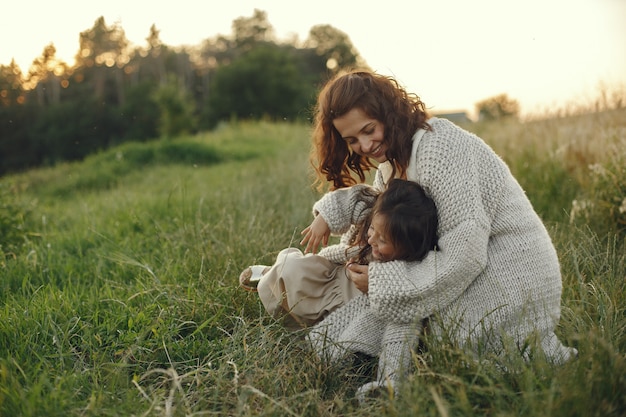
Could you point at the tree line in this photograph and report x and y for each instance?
(115, 93)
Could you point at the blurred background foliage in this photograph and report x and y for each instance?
(116, 93)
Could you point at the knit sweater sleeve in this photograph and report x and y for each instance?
(344, 207)
(448, 167)
(341, 252)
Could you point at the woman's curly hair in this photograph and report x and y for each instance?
(381, 98)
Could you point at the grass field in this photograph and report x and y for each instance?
(118, 282)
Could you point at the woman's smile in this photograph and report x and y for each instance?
(376, 153)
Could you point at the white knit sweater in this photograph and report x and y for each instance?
(497, 271)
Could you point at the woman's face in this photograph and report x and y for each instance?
(382, 247)
(365, 136)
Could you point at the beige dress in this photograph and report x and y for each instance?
(304, 289)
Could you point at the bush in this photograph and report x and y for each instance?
(497, 107)
(176, 107)
(601, 203)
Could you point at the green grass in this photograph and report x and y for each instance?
(118, 290)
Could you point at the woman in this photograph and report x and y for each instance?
(496, 278)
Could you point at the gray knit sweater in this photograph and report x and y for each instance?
(497, 271)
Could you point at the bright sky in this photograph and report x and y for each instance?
(452, 53)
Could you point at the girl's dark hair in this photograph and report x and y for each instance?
(380, 98)
(411, 221)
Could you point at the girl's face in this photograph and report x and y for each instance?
(382, 247)
(365, 136)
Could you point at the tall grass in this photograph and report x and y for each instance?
(119, 294)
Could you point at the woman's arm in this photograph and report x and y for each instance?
(335, 212)
(341, 252)
(402, 291)
(346, 206)
(453, 167)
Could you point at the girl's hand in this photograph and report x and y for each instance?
(358, 274)
(315, 234)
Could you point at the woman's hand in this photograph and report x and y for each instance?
(358, 274)
(315, 234)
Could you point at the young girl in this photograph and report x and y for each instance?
(398, 224)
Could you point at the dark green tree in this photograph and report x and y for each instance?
(263, 83)
(335, 47)
(176, 109)
(16, 149)
(47, 76)
(103, 52)
(155, 53)
(249, 32)
(11, 85)
(140, 113)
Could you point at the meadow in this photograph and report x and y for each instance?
(119, 296)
